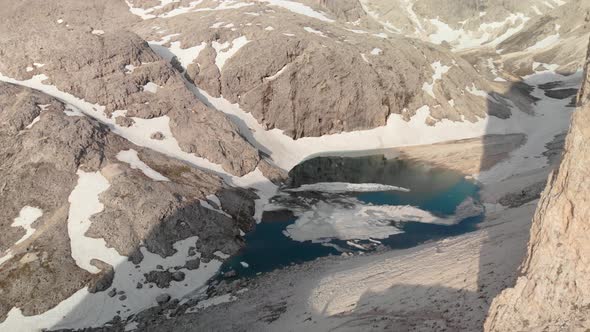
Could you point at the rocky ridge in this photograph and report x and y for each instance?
(551, 294)
(45, 145)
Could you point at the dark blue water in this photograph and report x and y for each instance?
(436, 190)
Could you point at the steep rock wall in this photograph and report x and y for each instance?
(553, 291)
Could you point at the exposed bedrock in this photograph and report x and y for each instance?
(553, 291)
(41, 150)
(118, 70)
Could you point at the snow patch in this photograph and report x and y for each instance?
(35, 120)
(80, 309)
(356, 31)
(213, 198)
(26, 217)
(552, 117)
(147, 13)
(223, 56)
(546, 42)
(72, 111)
(186, 56)
(151, 87)
(216, 25)
(223, 5)
(287, 152)
(376, 51)
(217, 300)
(182, 10)
(84, 203)
(342, 187)
(298, 8)
(130, 157)
(439, 70)
(351, 219)
(487, 33)
(476, 92)
(221, 254)
(7, 256)
(277, 74)
(312, 30)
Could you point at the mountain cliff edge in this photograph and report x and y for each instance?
(553, 290)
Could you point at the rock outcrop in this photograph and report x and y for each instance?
(309, 77)
(101, 61)
(553, 292)
(43, 147)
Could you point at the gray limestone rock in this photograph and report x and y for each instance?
(124, 121)
(38, 168)
(193, 264)
(95, 68)
(552, 293)
(157, 136)
(162, 279)
(162, 299)
(104, 279)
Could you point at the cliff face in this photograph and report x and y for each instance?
(553, 291)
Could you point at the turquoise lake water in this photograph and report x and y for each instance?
(433, 189)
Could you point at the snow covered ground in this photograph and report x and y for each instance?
(341, 187)
(130, 157)
(487, 34)
(299, 8)
(551, 117)
(74, 312)
(351, 219)
(26, 217)
(84, 203)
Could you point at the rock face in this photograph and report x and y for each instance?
(553, 292)
(118, 70)
(346, 10)
(38, 168)
(321, 78)
(43, 145)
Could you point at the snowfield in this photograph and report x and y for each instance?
(342, 187)
(351, 219)
(130, 157)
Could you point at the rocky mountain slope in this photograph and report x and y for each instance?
(552, 293)
(56, 165)
(140, 140)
